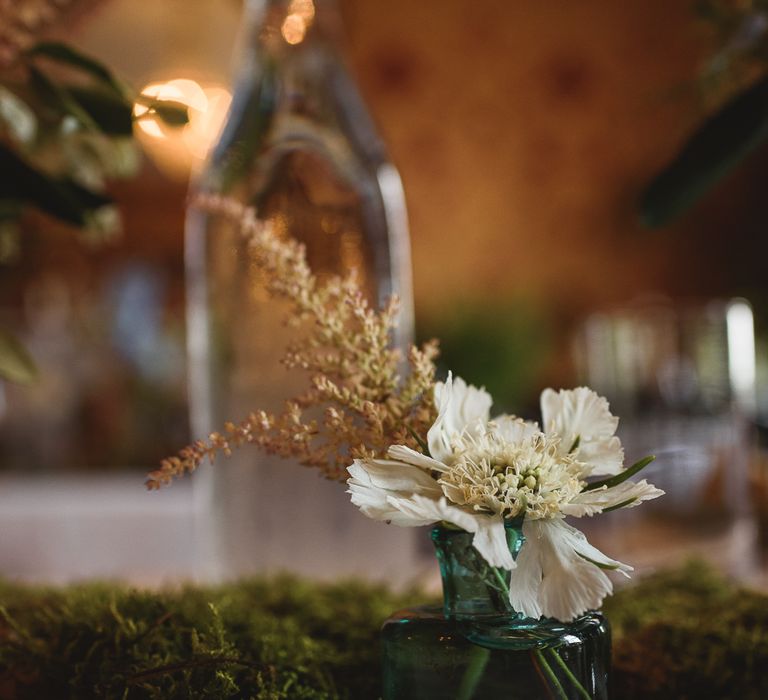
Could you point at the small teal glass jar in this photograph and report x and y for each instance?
(476, 646)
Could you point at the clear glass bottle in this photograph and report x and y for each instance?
(477, 646)
(299, 146)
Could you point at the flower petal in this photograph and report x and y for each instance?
(572, 412)
(604, 455)
(394, 476)
(553, 578)
(592, 502)
(461, 407)
(512, 429)
(374, 504)
(373, 482)
(581, 413)
(590, 553)
(525, 580)
(432, 510)
(491, 541)
(490, 536)
(409, 456)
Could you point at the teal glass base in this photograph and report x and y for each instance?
(429, 657)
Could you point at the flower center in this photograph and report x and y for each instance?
(530, 477)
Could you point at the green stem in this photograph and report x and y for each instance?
(501, 580)
(621, 477)
(540, 673)
(553, 652)
(480, 659)
(479, 655)
(567, 671)
(550, 674)
(477, 662)
(419, 440)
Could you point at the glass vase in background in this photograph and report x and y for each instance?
(682, 378)
(477, 646)
(298, 146)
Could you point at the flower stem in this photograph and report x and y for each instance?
(419, 440)
(501, 580)
(479, 655)
(540, 673)
(478, 660)
(567, 671)
(550, 674)
(553, 652)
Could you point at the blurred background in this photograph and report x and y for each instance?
(525, 134)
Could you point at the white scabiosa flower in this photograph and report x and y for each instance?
(481, 472)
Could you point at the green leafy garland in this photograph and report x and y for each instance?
(66, 125)
(733, 130)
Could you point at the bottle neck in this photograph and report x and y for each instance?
(472, 588)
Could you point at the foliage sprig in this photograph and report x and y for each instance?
(357, 403)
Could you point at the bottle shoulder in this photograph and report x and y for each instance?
(500, 632)
(306, 102)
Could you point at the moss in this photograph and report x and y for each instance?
(684, 634)
(282, 638)
(690, 634)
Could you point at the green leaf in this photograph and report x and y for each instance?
(60, 198)
(623, 504)
(419, 440)
(16, 365)
(171, 112)
(10, 234)
(101, 225)
(622, 476)
(94, 107)
(17, 118)
(112, 114)
(55, 95)
(718, 146)
(599, 565)
(86, 198)
(65, 54)
(10, 210)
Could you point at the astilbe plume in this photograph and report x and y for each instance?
(357, 403)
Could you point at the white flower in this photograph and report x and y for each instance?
(480, 472)
(581, 415)
(559, 574)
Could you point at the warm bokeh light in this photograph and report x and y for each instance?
(299, 18)
(177, 150)
(205, 124)
(293, 29)
(305, 8)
